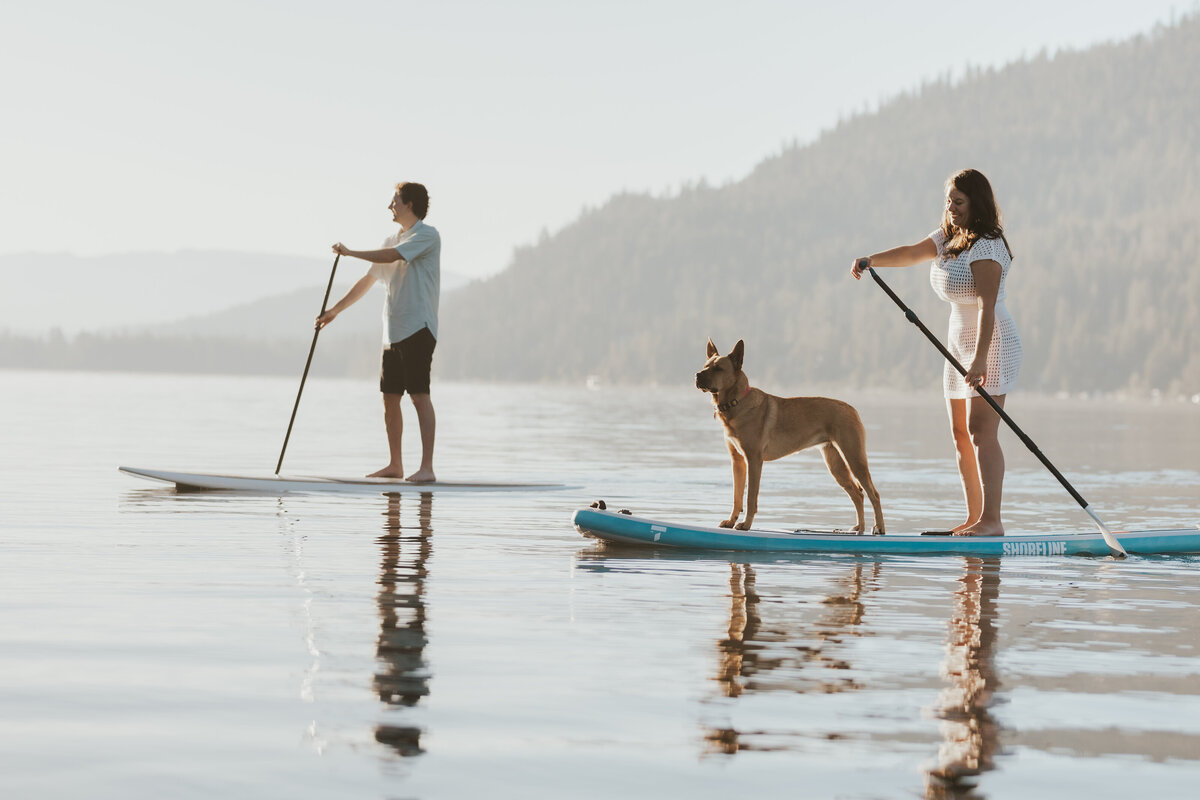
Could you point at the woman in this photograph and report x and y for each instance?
(970, 260)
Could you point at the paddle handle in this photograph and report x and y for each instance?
(312, 349)
(1111, 540)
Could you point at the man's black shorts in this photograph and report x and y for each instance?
(406, 364)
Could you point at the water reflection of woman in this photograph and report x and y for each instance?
(970, 735)
(403, 678)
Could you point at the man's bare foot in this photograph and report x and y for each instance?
(421, 476)
(388, 472)
(981, 529)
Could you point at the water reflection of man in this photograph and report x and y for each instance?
(970, 733)
(403, 678)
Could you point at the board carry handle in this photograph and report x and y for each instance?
(1109, 539)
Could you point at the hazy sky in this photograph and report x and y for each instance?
(281, 126)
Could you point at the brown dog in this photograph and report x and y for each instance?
(762, 427)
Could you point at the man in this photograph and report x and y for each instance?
(410, 321)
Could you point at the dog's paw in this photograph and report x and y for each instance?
(727, 523)
(744, 525)
(600, 504)
(625, 511)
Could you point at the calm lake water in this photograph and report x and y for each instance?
(195, 645)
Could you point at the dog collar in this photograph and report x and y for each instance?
(723, 407)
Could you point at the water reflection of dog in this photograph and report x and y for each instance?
(400, 648)
(747, 660)
(970, 735)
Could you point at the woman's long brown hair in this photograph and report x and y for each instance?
(984, 219)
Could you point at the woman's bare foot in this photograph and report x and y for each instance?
(421, 476)
(981, 529)
(388, 472)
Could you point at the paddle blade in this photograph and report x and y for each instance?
(1117, 550)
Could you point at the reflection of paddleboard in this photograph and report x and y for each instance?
(274, 484)
(620, 528)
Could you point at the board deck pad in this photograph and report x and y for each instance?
(624, 528)
(282, 484)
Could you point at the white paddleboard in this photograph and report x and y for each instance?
(275, 484)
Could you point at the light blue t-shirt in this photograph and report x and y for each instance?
(413, 284)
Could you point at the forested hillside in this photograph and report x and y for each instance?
(1095, 158)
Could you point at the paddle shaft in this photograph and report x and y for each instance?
(312, 349)
(1033, 448)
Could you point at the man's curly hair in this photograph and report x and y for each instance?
(416, 194)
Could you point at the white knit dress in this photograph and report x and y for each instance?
(953, 281)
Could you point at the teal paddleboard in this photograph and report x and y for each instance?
(613, 526)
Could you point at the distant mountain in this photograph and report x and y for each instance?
(73, 293)
(135, 290)
(279, 316)
(266, 336)
(1095, 157)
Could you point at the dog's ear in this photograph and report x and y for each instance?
(737, 353)
(712, 349)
